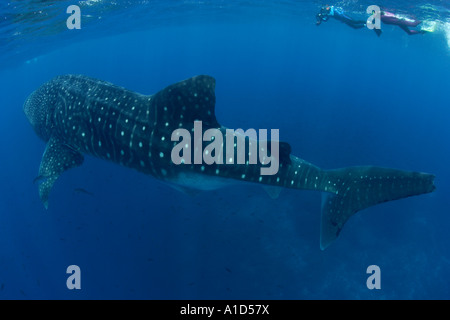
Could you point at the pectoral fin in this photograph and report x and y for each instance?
(58, 157)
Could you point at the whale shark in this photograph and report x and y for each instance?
(77, 115)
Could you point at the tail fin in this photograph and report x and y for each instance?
(357, 188)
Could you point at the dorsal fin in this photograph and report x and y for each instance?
(187, 101)
(285, 153)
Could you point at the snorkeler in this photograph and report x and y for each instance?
(403, 22)
(338, 13)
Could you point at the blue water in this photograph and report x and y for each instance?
(339, 96)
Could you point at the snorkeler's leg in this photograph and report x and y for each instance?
(359, 24)
(409, 31)
(355, 24)
(395, 20)
(411, 23)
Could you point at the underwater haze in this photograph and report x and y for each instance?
(339, 96)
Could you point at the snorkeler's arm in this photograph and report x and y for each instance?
(320, 17)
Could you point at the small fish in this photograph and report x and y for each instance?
(38, 179)
(84, 191)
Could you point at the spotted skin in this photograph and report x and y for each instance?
(79, 115)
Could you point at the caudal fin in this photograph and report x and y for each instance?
(357, 188)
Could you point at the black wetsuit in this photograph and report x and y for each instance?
(338, 14)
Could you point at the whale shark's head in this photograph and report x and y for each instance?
(39, 108)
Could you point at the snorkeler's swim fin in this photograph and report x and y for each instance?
(428, 26)
(377, 31)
